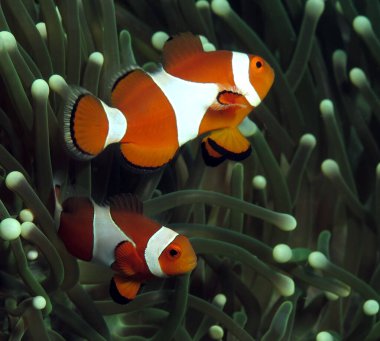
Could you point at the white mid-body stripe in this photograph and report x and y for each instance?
(107, 235)
(240, 69)
(190, 101)
(117, 124)
(156, 244)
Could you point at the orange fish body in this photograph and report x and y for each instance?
(153, 114)
(120, 236)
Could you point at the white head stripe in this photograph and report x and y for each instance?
(107, 235)
(117, 124)
(156, 244)
(189, 100)
(240, 70)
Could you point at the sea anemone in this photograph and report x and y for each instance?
(315, 165)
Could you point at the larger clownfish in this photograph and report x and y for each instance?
(152, 114)
(120, 236)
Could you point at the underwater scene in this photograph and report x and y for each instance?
(189, 170)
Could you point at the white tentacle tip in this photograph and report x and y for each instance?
(324, 336)
(308, 140)
(315, 8)
(330, 168)
(358, 77)
(26, 215)
(282, 253)
(286, 222)
(159, 39)
(259, 182)
(58, 84)
(41, 27)
(32, 255)
(40, 89)
(371, 307)
(9, 40)
(318, 260)
(96, 58)
(216, 332)
(27, 229)
(326, 107)
(285, 285)
(220, 7)
(39, 302)
(14, 179)
(10, 229)
(247, 127)
(362, 25)
(219, 300)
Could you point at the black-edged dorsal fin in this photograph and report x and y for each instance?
(179, 48)
(119, 85)
(126, 202)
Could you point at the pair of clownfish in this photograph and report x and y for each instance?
(151, 116)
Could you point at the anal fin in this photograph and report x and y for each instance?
(210, 156)
(230, 143)
(126, 258)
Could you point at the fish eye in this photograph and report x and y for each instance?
(258, 64)
(174, 252)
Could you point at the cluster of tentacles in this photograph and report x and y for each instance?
(315, 161)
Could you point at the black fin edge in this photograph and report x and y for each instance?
(210, 160)
(228, 154)
(136, 168)
(120, 75)
(115, 295)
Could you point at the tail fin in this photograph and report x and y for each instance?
(90, 125)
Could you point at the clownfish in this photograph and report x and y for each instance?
(152, 114)
(118, 235)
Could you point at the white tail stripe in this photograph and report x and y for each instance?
(156, 244)
(107, 235)
(189, 100)
(240, 69)
(117, 124)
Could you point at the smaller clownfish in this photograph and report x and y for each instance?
(120, 236)
(152, 114)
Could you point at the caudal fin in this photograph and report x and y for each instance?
(90, 125)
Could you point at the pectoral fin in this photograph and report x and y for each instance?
(122, 290)
(230, 143)
(126, 258)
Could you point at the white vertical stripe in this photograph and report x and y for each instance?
(240, 69)
(190, 101)
(107, 235)
(117, 124)
(156, 244)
